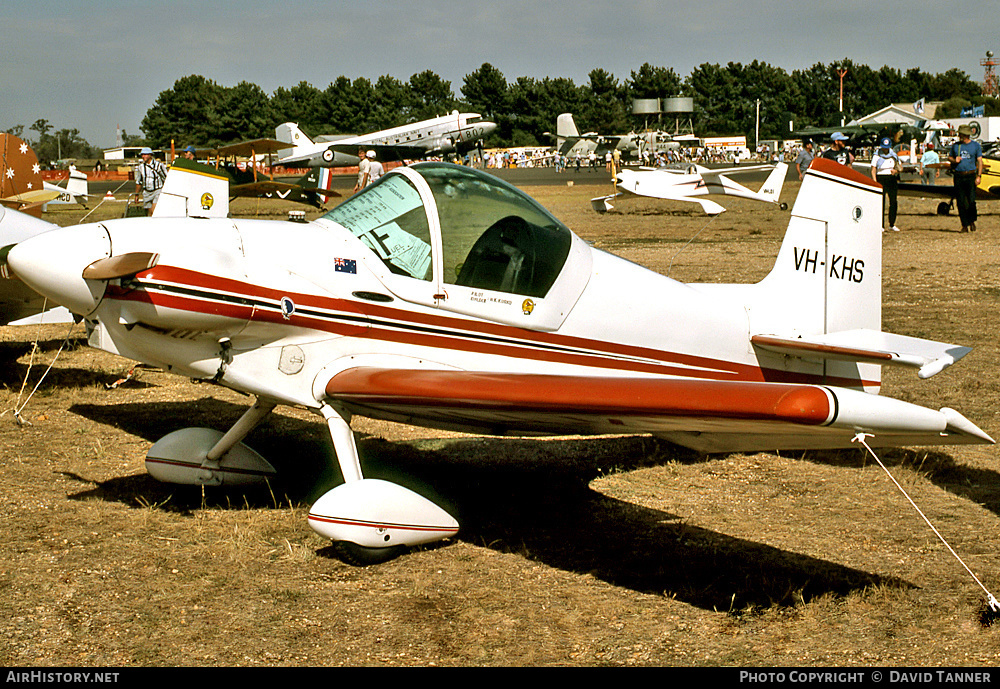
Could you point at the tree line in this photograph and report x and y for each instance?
(51, 145)
(727, 99)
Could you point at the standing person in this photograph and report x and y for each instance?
(149, 177)
(930, 157)
(364, 170)
(805, 158)
(375, 169)
(966, 158)
(838, 150)
(885, 171)
(188, 153)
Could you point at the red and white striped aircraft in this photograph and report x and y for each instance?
(444, 297)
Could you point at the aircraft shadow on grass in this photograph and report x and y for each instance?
(528, 497)
(13, 372)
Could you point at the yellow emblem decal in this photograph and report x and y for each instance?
(206, 201)
(527, 306)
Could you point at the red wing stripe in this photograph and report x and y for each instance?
(527, 393)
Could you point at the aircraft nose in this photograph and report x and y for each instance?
(52, 264)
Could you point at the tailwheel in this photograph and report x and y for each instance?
(363, 556)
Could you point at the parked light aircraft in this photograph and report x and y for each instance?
(459, 132)
(442, 296)
(570, 142)
(22, 195)
(76, 190)
(988, 188)
(193, 189)
(692, 183)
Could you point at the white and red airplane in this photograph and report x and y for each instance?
(693, 183)
(444, 297)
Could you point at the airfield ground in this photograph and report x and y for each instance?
(609, 551)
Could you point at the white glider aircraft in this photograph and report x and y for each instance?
(455, 132)
(692, 183)
(442, 296)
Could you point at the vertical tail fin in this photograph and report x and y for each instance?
(290, 133)
(193, 190)
(566, 133)
(76, 185)
(771, 189)
(828, 274)
(565, 126)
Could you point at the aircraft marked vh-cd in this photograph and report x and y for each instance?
(441, 296)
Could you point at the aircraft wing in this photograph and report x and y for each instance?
(384, 152)
(944, 191)
(706, 415)
(255, 147)
(30, 201)
(253, 189)
(709, 172)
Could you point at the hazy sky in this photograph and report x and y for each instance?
(95, 65)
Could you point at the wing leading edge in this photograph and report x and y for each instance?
(710, 416)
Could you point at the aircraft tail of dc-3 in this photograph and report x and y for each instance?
(693, 183)
(457, 132)
(442, 296)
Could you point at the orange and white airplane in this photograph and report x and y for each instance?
(444, 297)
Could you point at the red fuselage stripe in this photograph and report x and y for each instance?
(186, 290)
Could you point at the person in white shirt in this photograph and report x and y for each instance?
(885, 171)
(375, 169)
(364, 170)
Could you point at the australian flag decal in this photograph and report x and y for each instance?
(345, 265)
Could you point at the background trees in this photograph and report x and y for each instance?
(199, 111)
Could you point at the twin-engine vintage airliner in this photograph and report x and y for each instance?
(458, 132)
(444, 297)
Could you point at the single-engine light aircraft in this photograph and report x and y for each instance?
(442, 296)
(458, 132)
(692, 183)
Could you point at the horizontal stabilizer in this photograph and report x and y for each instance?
(602, 204)
(869, 347)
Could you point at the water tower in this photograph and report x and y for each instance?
(682, 109)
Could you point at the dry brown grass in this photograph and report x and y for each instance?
(608, 551)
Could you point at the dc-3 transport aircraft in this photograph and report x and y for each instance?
(444, 297)
(459, 132)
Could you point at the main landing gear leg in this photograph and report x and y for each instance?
(371, 520)
(207, 457)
